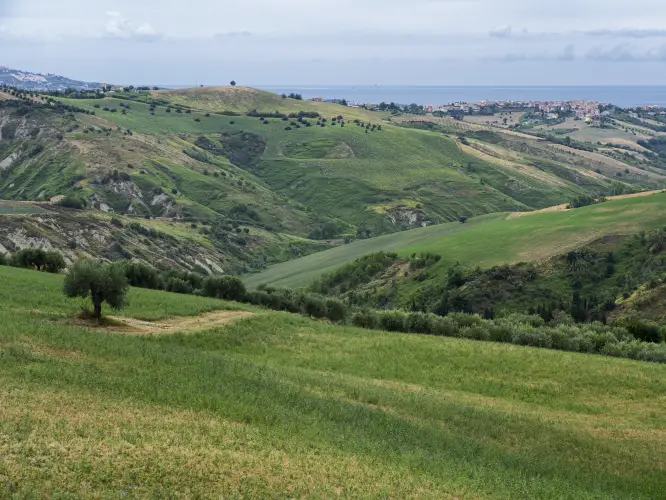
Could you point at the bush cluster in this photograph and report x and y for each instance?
(309, 304)
(518, 329)
(35, 258)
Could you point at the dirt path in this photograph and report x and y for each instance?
(189, 324)
(559, 208)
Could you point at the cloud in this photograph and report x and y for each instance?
(501, 32)
(619, 52)
(625, 52)
(233, 34)
(509, 33)
(118, 26)
(627, 33)
(568, 53)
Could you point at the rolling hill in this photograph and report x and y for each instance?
(276, 405)
(486, 241)
(240, 157)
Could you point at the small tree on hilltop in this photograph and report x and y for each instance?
(101, 282)
(233, 83)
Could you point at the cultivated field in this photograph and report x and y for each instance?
(489, 241)
(276, 406)
(17, 208)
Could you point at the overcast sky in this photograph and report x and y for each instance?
(309, 42)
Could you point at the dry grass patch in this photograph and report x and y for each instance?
(53, 443)
(188, 324)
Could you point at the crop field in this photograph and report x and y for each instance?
(587, 133)
(488, 241)
(13, 207)
(303, 271)
(277, 405)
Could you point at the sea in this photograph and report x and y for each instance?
(626, 97)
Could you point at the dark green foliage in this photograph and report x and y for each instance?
(358, 272)
(366, 318)
(175, 284)
(418, 322)
(392, 321)
(36, 258)
(647, 331)
(99, 281)
(115, 221)
(313, 306)
(73, 201)
(335, 310)
(585, 200)
(225, 287)
(143, 276)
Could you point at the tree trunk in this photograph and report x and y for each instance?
(97, 313)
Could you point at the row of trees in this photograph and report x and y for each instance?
(105, 282)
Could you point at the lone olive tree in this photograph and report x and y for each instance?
(99, 281)
(233, 83)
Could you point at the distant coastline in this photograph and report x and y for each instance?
(623, 96)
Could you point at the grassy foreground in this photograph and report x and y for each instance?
(486, 241)
(281, 406)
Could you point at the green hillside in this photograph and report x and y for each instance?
(487, 241)
(377, 177)
(286, 169)
(277, 405)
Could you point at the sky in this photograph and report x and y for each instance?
(339, 42)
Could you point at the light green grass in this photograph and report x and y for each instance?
(300, 272)
(280, 406)
(15, 208)
(491, 240)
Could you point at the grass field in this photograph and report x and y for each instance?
(281, 406)
(15, 208)
(488, 241)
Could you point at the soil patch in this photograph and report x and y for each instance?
(183, 324)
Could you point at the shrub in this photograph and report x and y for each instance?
(475, 332)
(335, 310)
(101, 282)
(178, 285)
(445, 327)
(115, 221)
(41, 260)
(529, 336)
(73, 201)
(143, 276)
(224, 287)
(392, 321)
(418, 322)
(313, 306)
(367, 318)
(647, 331)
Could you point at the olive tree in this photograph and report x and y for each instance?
(99, 281)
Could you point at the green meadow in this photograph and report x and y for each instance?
(486, 241)
(279, 406)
